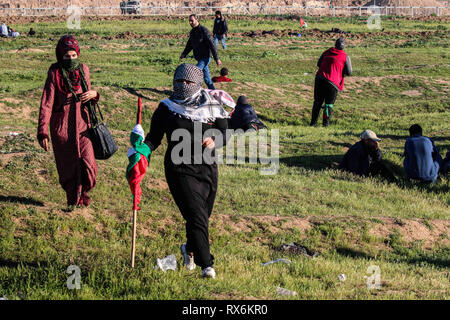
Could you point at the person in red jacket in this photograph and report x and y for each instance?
(223, 76)
(67, 89)
(333, 65)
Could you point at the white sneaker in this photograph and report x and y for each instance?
(188, 260)
(209, 273)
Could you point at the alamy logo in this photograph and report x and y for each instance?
(74, 281)
(74, 17)
(373, 281)
(374, 21)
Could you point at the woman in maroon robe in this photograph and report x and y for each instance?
(66, 90)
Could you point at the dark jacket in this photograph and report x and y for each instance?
(359, 159)
(220, 26)
(165, 122)
(201, 42)
(422, 158)
(243, 116)
(333, 65)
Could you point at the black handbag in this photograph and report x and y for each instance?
(102, 140)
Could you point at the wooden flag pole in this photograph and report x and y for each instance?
(133, 245)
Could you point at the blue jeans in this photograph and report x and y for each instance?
(203, 64)
(216, 41)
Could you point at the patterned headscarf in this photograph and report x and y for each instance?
(66, 43)
(189, 72)
(190, 100)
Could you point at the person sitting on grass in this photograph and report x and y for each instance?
(223, 76)
(422, 158)
(364, 158)
(445, 168)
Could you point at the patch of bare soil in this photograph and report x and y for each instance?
(430, 233)
(232, 296)
(415, 230)
(321, 34)
(355, 82)
(159, 184)
(21, 110)
(7, 157)
(412, 93)
(274, 224)
(11, 20)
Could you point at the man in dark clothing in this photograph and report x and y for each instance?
(364, 158)
(422, 158)
(201, 43)
(220, 29)
(333, 65)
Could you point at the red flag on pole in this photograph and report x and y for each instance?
(302, 22)
(139, 157)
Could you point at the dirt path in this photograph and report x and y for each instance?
(26, 19)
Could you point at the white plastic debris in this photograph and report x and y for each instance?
(11, 134)
(4, 298)
(167, 263)
(342, 277)
(285, 292)
(277, 260)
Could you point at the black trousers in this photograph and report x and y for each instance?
(194, 188)
(379, 168)
(323, 91)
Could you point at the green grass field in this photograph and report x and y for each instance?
(400, 78)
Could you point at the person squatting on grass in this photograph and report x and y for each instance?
(364, 158)
(192, 181)
(201, 43)
(220, 29)
(333, 65)
(67, 90)
(422, 158)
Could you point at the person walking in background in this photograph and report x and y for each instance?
(364, 158)
(422, 158)
(201, 43)
(220, 29)
(67, 89)
(333, 65)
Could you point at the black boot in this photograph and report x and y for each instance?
(326, 118)
(315, 114)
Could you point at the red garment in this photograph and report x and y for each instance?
(135, 178)
(72, 148)
(302, 23)
(221, 79)
(332, 66)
